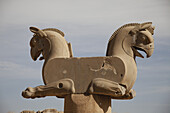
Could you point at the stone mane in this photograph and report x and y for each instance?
(56, 30)
(126, 25)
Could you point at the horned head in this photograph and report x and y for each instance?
(142, 39)
(38, 43)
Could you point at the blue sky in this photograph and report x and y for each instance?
(88, 25)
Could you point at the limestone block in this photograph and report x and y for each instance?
(81, 103)
(83, 70)
(27, 111)
(112, 75)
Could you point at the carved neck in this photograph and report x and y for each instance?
(58, 48)
(54, 52)
(121, 46)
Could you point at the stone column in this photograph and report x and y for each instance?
(80, 103)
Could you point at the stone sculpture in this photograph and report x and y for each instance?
(112, 76)
(44, 111)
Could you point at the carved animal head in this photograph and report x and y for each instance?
(39, 43)
(142, 39)
(130, 38)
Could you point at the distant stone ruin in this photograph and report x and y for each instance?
(44, 111)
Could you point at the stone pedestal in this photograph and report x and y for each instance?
(80, 103)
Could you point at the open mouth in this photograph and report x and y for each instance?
(136, 51)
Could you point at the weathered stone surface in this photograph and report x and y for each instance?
(116, 72)
(83, 70)
(49, 111)
(43, 111)
(89, 83)
(59, 88)
(80, 103)
(27, 111)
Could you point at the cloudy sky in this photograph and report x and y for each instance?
(88, 25)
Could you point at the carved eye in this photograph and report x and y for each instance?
(143, 38)
(33, 41)
(140, 38)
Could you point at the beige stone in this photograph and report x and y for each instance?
(59, 89)
(50, 111)
(43, 111)
(80, 103)
(113, 75)
(90, 81)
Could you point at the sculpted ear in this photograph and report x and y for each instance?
(145, 25)
(34, 29)
(38, 32)
(139, 27)
(134, 30)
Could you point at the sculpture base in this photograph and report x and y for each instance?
(80, 103)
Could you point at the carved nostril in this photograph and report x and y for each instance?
(60, 85)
